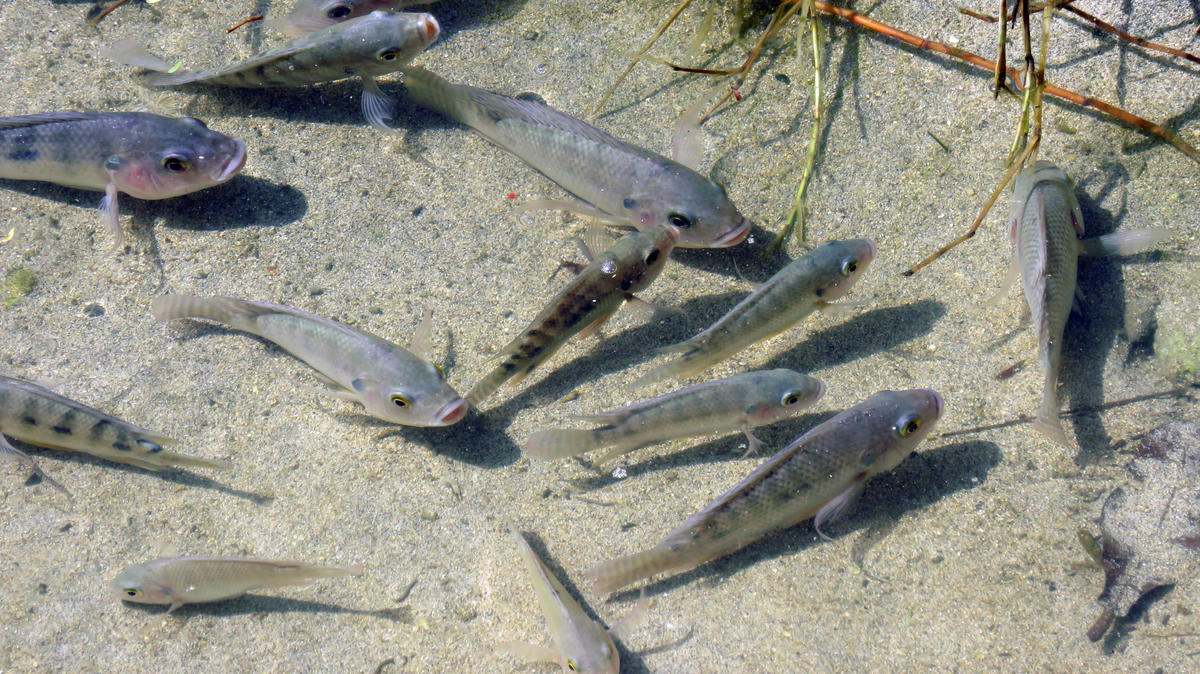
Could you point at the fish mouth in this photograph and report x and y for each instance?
(734, 236)
(451, 413)
(937, 401)
(235, 162)
(430, 28)
(871, 251)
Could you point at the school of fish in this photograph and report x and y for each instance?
(817, 478)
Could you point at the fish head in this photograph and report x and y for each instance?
(136, 584)
(588, 650)
(165, 158)
(423, 400)
(694, 204)
(383, 42)
(838, 265)
(903, 419)
(1043, 175)
(637, 259)
(782, 394)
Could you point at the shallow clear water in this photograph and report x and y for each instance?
(965, 557)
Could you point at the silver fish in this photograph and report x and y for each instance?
(191, 580)
(366, 47)
(1046, 223)
(580, 643)
(740, 402)
(35, 415)
(818, 476)
(313, 15)
(143, 155)
(806, 284)
(389, 381)
(632, 186)
(631, 264)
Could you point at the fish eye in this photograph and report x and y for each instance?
(389, 54)
(571, 666)
(679, 220)
(790, 398)
(175, 164)
(721, 186)
(339, 11)
(133, 592)
(400, 400)
(440, 371)
(849, 266)
(652, 257)
(908, 425)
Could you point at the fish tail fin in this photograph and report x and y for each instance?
(1047, 422)
(129, 52)
(334, 571)
(558, 443)
(482, 390)
(237, 314)
(680, 367)
(615, 574)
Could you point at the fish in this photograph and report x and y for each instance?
(176, 581)
(618, 181)
(144, 155)
(806, 284)
(1046, 222)
(367, 47)
(390, 382)
(580, 643)
(741, 402)
(630, 265)
(818, 476)
(313, 15)
(38, 416)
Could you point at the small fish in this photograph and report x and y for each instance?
(580, 643)
(740, 402)
(368, 46)
(389, 381)
(806, 284)
(312, 15)
(619, 181)
(143, 155)
(32, 414)
(1046, 223)
(192, 580)
(819, 476)
(631, 264)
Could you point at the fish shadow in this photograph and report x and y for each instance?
(243, 201)
(921, 480)
(730, 447)
(876, 331)
(249, 604)
(179, 476)
(747, 261)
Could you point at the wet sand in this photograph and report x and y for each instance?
(964, 558)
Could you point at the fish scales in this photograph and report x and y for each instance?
(391, 382)
(630, 265)
(38, 416)
(795, 291)
(818, 475)
(633, 185)
(740, 402)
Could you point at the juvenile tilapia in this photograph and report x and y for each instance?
(819, 476)
(1046, 223)
(32, 414)
(389, 381)
(313, 15)
(143, 155)
(740, 402)
(191, 580)
(806, 284)
(631, 264)
(580, 643)
(633, 186)
(367, 47)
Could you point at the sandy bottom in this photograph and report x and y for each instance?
(963, 558)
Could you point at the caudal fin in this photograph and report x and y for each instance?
(1047, 422)
(156, 72)
(558, 443)
(618, 573)
(237, 314)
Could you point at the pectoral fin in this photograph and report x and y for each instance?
(112, 217)
(1124, 243)
(528, 652)
(376, 105)
(839, 505)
